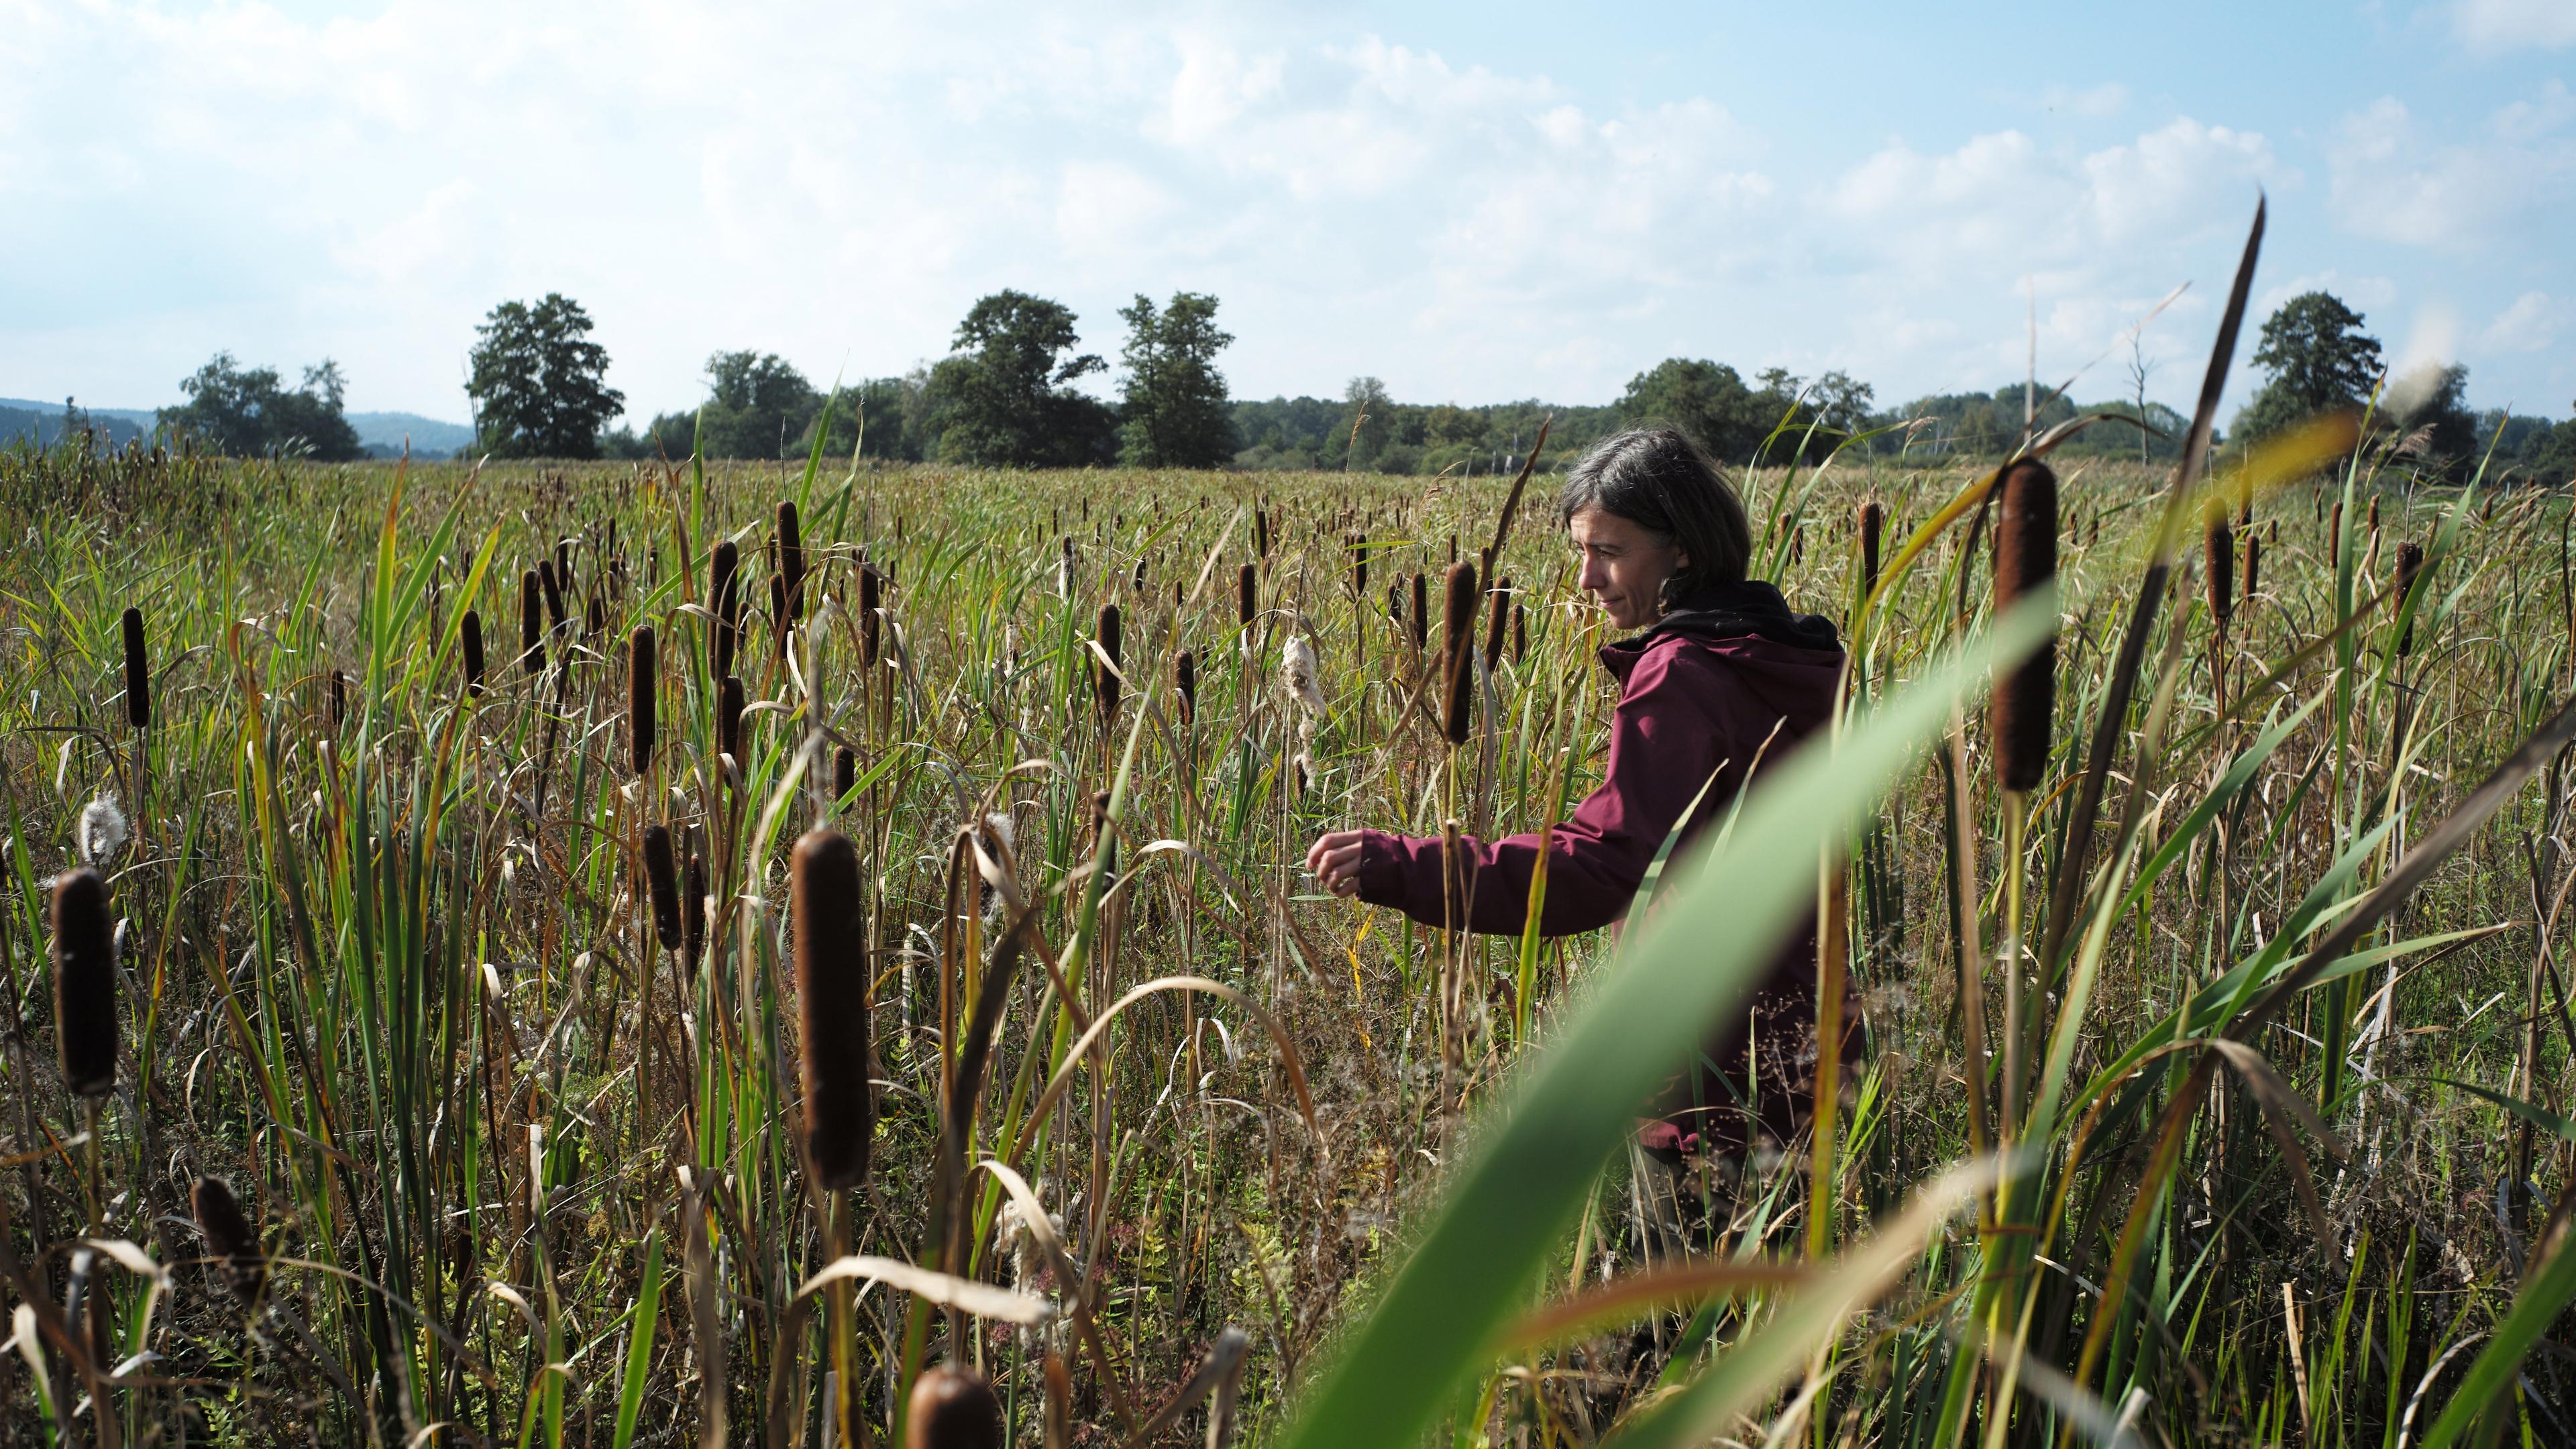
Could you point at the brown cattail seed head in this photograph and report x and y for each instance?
(832, 1008)
(138, 673)
(871, 598)
(1247, 595)
(84, 983)
(845, 772)
(532, 651)
(1395, 602)
(662, 886)
(1498, 608)
(1457, 657)
(231, 1238)
(2253, 564)
(693, 911)
(2410, 564)
(1261, 533)
(339, 698)
(2219, 561)
(552, 582)
(791, 560)
(597, 619)
(1138, 583)
(1359, 565)
(2025, 560)
(2334, 535)
(643, 688)
(469, 629)
(723, 599)
(729, 707)
(1873, 524)
(1185, 678)
(1421, 611)
(953, 1408)
(1520, 633)
(1104, 676)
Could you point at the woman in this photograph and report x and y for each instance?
(1723, 678)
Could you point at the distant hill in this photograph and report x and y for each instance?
(381, 433)
(430, 438)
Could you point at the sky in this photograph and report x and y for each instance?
(1474, 202)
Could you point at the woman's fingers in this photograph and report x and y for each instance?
(1334, 861)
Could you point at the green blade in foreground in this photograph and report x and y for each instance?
(1696, 956)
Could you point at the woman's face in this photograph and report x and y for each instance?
(1624, 565)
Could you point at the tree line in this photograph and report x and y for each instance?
(1007, 395)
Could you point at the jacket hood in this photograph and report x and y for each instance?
(1791, 661)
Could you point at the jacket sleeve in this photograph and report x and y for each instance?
(1664, 745)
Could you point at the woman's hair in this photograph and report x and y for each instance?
(1661, 481)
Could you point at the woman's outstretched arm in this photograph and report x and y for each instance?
(1666, 741)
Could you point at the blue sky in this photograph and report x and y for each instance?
(1473, 202)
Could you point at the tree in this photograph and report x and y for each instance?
(2429, 405)
(539, 385)
(1707, 400)
(1002, 397)
(2316, 359)
(1177, 415)
(248, 413)
(1365, 427)
(759, 406)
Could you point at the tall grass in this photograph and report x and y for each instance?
(495, 1013)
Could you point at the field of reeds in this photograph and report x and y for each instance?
(430, 1019)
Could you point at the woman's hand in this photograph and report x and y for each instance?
(1334, 861)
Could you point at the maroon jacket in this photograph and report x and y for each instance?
(1728, 684)
(1731, 679)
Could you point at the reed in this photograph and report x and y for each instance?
(1458, 653)
(138, 673)
(469, 632)
(662, 885)
(832, 1008)
(85, 1028)
(231, 1238)
(954, 1408)
(643, 693)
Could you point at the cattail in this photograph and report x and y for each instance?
(1421, 611)
(1185, 678)
(552, 582)
(138, 673)
(1520, 633)
(2334, 535)
(1261, 533)
(1104, 675)
(729, 707)
(84, 983)
(1139, 583)
(2410, 564)
(2253, 564)
(563, 565)
(1359, 566)
(953, 1408)
(871, 598)
(231, 1238)
(532, 649)
(469, 629)
(1873, 523)
(661, 881)
(1064, 570)
(643, 676)
(2025, 560)
(1395, 603)
(832, 1007)
(1102, 844)
(339, 698)
(722, 596)
(1457, 646)
(1247, 595)
(778, 619)
(2219, 557)
(1497, 614)
(596, 620)
(693, 911)
(791, 562)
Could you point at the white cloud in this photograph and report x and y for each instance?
(2491, 27)
(2107, 99)
(2390, 181)
(2530, 324)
